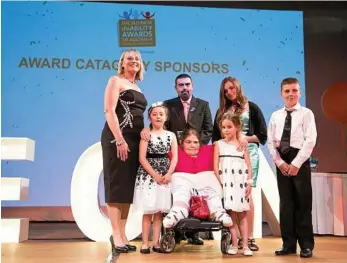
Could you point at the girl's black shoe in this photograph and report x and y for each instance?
(145, 250)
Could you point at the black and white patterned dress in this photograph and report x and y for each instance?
(149, 197)
(233, 172)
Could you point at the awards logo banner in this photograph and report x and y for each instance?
(136, 29)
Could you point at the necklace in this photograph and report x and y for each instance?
(131, 81)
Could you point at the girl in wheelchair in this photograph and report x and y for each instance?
(194, 169)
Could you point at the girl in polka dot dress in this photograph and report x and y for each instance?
(233, 170)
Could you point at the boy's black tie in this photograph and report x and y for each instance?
(285, 140)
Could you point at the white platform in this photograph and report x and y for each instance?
(15, 188)
(14, 230)
(17, 149)
(329, 206)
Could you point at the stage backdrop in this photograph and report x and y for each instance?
(57, 58)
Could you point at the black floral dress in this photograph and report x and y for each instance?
(149, 197)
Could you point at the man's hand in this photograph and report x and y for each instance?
(293, 170)
(284, 167)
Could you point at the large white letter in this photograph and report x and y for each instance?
(84, 199)
(267, 188)
(96, 226)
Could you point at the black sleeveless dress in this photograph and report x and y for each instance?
(119, 176)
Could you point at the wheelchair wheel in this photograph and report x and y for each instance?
(167, 242)
(225, 242)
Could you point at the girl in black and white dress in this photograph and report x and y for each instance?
(152, 193)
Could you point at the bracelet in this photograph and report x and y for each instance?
(118, 143)
(250, 181)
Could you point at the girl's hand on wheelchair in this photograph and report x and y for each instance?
(248, 190)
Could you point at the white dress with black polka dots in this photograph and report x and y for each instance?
(233, 173)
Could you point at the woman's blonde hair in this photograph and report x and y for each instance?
(235, 119)
(224, 103)
(139, 74)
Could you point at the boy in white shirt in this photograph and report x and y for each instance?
(292, 136)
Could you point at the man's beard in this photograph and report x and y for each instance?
(184, 95)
